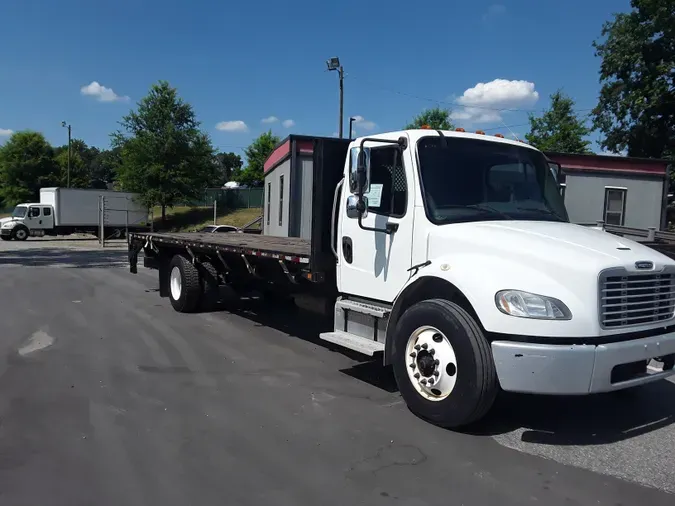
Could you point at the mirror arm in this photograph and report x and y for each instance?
(389, 229)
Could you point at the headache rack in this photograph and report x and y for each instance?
(636, 298)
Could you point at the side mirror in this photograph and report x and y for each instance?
(359, 173)
(555, 170)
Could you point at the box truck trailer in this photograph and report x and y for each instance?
(64, 211)
(451, 256)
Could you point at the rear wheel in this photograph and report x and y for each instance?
(185, 290)
(443, 364)
(210, 286)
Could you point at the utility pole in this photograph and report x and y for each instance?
(63, 124)
(334, 64)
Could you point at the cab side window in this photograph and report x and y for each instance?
(34, 212)
(46, 211)
(388, 195)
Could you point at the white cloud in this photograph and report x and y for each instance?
(494, 11)
(485, 102)
(232, 126)
(269, 119)
(363, 123)
(102, 94)
(5, 132)
(288, 123)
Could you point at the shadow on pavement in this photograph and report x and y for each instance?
(62, 257)
(588, 420)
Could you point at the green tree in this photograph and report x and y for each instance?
(165, 156)
(229, 165)
(436, 118)
(636, 107)
(104, 167)
(559, 128)
(26, 165)
(81, 158)
(256, 154)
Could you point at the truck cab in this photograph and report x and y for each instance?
(30, 219)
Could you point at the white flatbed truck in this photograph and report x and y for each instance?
(450, 254)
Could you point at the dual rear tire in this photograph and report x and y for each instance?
(192, 287)
(443, 364)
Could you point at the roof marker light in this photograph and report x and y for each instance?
(459, 129)
(480, 132)
(501, 136)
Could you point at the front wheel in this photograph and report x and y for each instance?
(443, 364)
(20, 233)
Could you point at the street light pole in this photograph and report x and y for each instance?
(351, 121)
(63, 124)
(334, 64)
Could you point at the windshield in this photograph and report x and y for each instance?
(473, 179)
(19, 212)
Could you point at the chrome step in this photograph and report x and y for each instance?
(363, 308)
(356, 343)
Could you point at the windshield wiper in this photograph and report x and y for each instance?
(479, 207)
(541, 211)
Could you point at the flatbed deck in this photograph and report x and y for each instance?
(287, 248)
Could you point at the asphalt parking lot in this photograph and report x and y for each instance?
(109, 397)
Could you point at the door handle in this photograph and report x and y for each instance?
(347, 249)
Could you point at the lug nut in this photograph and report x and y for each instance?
(413, 354)
(436, 373)
(431, 381)
(417, 375)
(424, 382)
(425, 346)
(418, 347)
(436, 362)
(437, 338)
(432, 351)
(412, 366)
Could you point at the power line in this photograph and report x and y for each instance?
(452, 102)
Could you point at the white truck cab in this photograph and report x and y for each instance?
(31, 219)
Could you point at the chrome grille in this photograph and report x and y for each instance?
(628, 298)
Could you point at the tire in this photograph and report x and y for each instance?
(210, 286)
(20, 233)
(465, 381)
(6, 237)
(185, 290)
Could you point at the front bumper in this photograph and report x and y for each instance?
(6, 231)
(580, 369)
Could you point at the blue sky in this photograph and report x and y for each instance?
(239, 63)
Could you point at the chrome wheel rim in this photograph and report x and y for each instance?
(431, 363)
(176, 283)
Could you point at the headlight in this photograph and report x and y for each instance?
(530, 305)
(9, 224)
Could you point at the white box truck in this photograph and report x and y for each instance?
(451, 255)
(64, 211)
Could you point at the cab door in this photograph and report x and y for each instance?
(375, 264)
(38, 219)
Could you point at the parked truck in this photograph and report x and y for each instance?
(451, 255)
(64, 211)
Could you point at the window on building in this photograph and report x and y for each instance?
(388, 189)
(563, 187)
(615, 206)
(281, 199)
(269, 202)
